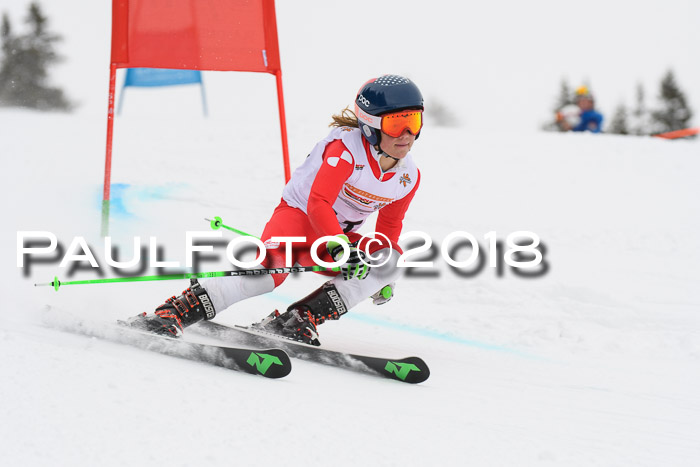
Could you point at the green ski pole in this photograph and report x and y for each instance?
(216, 223)
(166, 277)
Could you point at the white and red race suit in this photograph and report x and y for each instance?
(341, 184)
(335, 190)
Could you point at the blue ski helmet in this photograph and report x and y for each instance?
(386, 94)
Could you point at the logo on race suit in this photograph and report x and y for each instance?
(405, 180)
(270, 245)
(378, 206)
(362, 197)
(333, 161)
(354, 197)
(359, 166)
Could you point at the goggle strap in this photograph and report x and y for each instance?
(367, 119)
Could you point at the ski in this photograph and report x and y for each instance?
(270, 363)
(408, 370)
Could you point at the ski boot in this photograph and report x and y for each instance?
(177, 313)
(301, 320)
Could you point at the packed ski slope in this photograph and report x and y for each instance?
(592, 363)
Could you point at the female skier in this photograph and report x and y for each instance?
(363, 165)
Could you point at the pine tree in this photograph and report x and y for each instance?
(673, 113)
(640, 115)
(23, 73)
(9, 47)
(564, 98)
(618, 124)
(565, 95)
(441, 115)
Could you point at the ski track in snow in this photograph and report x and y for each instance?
(592, 364)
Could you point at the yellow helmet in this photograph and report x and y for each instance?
(582, 92)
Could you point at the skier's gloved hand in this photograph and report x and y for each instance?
(385, 294)
(357, 264)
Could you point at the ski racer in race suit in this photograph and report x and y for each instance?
(364, 165)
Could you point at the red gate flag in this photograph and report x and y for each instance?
(221, 35)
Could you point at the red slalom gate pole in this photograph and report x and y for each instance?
(108, 154)
(283, 126)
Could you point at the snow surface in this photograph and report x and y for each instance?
(594, 363)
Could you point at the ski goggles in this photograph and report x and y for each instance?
(393, 124)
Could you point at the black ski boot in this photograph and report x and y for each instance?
(177, 313)
(301, 320)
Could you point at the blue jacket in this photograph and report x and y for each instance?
(591, 120)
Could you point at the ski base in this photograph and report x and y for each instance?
(408, 370)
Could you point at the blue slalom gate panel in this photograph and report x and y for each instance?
(153, 77)
(145, 77)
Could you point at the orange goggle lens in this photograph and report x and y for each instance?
(394, 124)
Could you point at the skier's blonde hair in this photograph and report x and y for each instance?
(345, 118)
